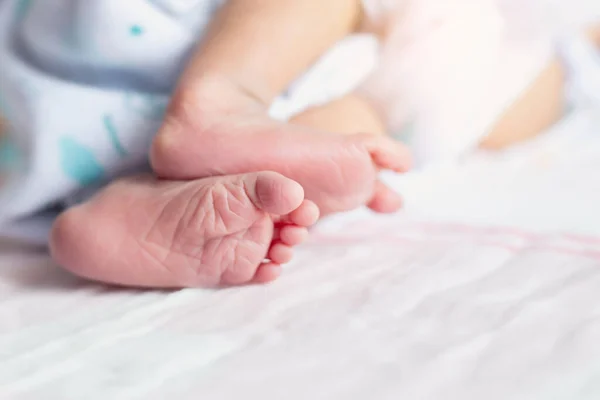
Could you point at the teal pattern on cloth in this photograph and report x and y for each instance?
(113, 135)
(9, 152)
(136, 30)
(10, 155)
(22, 9)
(79, 163)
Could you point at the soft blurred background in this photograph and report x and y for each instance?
(485, 286)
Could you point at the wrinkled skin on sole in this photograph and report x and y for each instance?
(210, 232)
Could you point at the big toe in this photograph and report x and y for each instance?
(273, 193)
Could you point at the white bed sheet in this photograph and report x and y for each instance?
(486, 287)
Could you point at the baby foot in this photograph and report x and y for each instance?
(143, 232)
(338, 172)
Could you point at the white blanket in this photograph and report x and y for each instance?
(486, 287)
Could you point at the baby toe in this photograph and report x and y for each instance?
(280, 253)
(306, 215)
(293, 235)
(273, 193)
(267, 272)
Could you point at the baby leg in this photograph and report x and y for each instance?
(349, 115)
(223, 99)
(217, 231)
(538, 108)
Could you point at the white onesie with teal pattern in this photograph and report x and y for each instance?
(84, 85)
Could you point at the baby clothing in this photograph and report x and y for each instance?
(84, 85)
